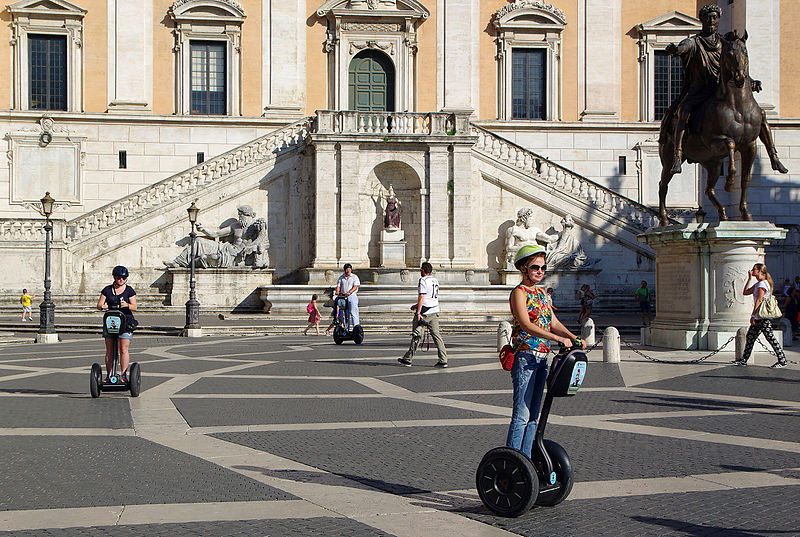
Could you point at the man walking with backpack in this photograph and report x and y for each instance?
(426, 313)
(643, 296)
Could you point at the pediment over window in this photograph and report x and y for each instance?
(200, 10)
(46, 7)
(378, 8)
(529, 13)
(671, 22)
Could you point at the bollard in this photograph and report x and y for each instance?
(786, 326)
(611, 352)
(503, 334)
(587, 332)
(741, 341)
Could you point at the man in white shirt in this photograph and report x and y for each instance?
(426, 313)
(348, 286)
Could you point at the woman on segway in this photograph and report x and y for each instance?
(534, 326)
(119, 295)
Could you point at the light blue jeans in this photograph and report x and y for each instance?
(528, 375)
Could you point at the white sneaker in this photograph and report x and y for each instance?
(778, 365)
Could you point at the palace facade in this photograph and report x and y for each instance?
(308, 112)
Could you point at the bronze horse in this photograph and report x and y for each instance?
(729, 121)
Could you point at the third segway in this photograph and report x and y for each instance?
(508, 482)
(114, 324)
(340, 331)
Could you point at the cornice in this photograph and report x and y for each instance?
(535, 4)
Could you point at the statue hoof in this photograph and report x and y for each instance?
(676, 168)
(778, 166)
(729, 182)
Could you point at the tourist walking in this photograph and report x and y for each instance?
(25, 300)
(586, 298)
(761, 290)
(534, 327)
(314, 315)
(348, 285)
(426, 314)
(642, 295)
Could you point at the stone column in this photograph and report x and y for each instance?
(761, 20)
(353, 244)
(438, 220)
(599, 64)
(458, 54)
(130, 55)
(462, 207)
(283, 55)
(701, 270)
(326, 206)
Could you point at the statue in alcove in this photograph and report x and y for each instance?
(393, 212)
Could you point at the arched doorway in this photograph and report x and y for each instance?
(371, 82)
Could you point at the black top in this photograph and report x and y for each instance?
(113, 298)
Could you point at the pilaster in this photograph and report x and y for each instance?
(326, 213)
(438, 217)
(458, 65)
(599, 72)
(353, 246)
(283, 55)
(130, 55)
(462, 206)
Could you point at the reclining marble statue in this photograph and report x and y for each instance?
(245, 242)
(566, 252)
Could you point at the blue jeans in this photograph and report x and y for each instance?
(528, 376)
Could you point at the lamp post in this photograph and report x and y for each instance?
(192, 327)
(47, 321)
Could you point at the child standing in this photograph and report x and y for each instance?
(313, 315)
(25, 300)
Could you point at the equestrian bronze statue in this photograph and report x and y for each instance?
(715, 115)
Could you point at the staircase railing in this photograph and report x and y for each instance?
(188, 181)
(634, 213)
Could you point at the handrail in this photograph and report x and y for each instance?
(188, 181)
(634, 213)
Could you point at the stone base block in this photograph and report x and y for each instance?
(229, 288)
(192, 332)
(393, 254)
(46, 338)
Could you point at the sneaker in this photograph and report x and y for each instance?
(778, 365)
(404, 361)
(739, 362)
(440, 364)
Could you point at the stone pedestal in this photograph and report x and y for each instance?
(393, 248)
(220, 289)
(700, 273)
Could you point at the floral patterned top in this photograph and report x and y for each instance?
(540, 314)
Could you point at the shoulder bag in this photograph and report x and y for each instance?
(768, 309)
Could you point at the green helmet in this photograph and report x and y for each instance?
(527, 251)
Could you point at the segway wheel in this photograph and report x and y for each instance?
(358, 334)
(564, 476)
(95, 379)
(338, 336)
(134, 379)
(507, 482)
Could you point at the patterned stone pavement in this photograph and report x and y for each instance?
(286, 436)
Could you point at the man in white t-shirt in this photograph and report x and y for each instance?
(348, 285)
(426, 313)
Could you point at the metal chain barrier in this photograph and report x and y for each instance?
(643, 355)
(773, 352)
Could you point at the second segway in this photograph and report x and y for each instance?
(114, 324)
(508, 482)
(340, 331)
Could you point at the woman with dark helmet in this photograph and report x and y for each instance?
(119, 295)
(534, 326)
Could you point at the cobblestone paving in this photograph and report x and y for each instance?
(305, 437)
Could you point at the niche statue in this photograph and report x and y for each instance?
(392, 213)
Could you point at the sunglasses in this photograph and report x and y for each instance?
(120, 277)
(537, 268)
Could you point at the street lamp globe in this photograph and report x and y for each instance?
(47, 204)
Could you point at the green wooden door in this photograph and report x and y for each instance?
(371, 82)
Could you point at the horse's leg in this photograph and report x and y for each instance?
(766, 138)
(713, 169)
(665, 153)
(748, 153)
(730, 179)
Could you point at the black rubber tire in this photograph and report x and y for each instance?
(134, 379)
(564, 475)
(338, 337)
(358, 334)
(95, 378)
(507, 482)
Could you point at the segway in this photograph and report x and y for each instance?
(114, 324)
(340, 331)
(508, 482)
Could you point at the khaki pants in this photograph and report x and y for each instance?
(417, 332)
